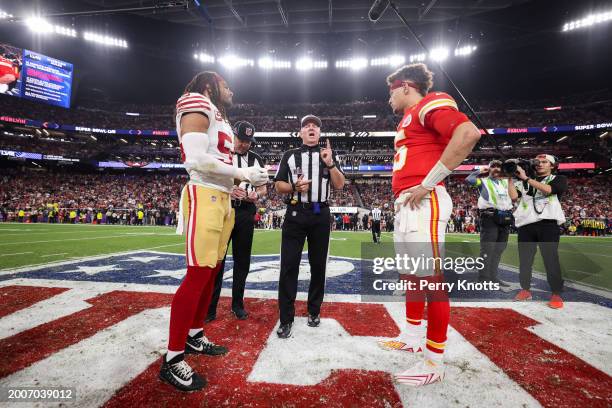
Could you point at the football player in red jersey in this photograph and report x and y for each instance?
(432, 139)
(206, 141)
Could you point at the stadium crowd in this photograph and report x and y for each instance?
(30, 195)
(337, 117)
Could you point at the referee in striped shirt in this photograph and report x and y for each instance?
(306, 176)
(244, 198)
(375, 216)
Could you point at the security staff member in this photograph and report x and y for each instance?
(495, 210)
(375, 216)
(244, 197)
(538, 217)
(306, 175)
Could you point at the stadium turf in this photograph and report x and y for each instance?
(585, 260)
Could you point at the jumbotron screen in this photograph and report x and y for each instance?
(30, 75)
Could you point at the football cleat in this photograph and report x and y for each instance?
(284, 331)
(523, 295)
(424, 373)
(179, 374)
(240, 313)
(199, 344)
(314, 321)
(397, 345)
(556, 302)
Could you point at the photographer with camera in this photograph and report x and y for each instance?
(495, 210)
(538, 217)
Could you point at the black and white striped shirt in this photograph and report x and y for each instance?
(306, 159)
(247, 160)
(376, 214)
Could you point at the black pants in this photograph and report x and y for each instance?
(544, 234)
(493, 242)
(301, 224)
(242, 242)
(376, 230)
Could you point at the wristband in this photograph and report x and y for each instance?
(438, 173)
(331, 167)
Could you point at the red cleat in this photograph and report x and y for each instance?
(523, 295)
(555, 302)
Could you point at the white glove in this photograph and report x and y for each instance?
(255, 175)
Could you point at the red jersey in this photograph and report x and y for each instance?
(419, 143)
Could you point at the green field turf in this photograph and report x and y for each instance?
(584, 259)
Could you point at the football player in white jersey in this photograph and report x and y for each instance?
(206, 142)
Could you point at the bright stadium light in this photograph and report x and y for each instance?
(464, 51)
(375, 62)
(588, 21)
(396, 60)
(105, 40)
(4, 14)
(304, 64)
(393, 60)
(418, 57)
(233, 61)
(205, 58)
(354, 63)
(439, 54)
(39, 25)
(269, 63)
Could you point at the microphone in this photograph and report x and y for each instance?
(378, 9)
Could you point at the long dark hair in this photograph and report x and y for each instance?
(208, 80)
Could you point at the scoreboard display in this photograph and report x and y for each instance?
(30, 75)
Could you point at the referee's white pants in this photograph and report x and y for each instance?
(421, 232)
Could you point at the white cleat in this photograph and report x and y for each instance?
(424, 373)
(398, 345)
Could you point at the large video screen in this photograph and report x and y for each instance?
(30, 75)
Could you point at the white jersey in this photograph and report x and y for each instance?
(220, 139)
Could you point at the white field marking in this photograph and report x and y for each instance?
(46, 311)
(94, 226)
(98, 379)
(69, 239)
(594, 290)
(48, 232)
(61, 253)
(584, 253)
(17, 253)
(73, 260)
(575, 285)
(310, 355)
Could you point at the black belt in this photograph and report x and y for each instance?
(306, 206)
(487, 211)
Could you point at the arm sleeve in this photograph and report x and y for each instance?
(473, 179)
(445, 120)
(282, 173)
(558, 185)
(195, 146)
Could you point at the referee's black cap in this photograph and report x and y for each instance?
(310, 118)
(244, 131)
